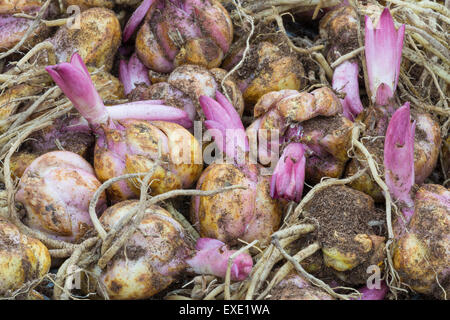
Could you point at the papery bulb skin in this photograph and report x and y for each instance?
(339, 26)
(340, 29)
(181, 32)
(152, 258)
(421, 254)
(22, 259)
(294, 287)
(267, 69)
(56, 190)
(327, 140)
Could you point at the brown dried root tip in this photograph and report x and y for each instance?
(262, 9)
(315, 281)
(346, 57)
(323, 64)
(60, 292)
(183, 221)
(287, 267)
(280, 24)
(24, 115)
(230, 263)
(46, 45)
(215, 292)
(30, 30)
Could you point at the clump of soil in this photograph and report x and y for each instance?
(344, 211)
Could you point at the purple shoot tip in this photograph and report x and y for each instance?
(374, 294)
(136, 18)
(345, 79)
(212, 258)
(132, 73)
(74, 80)
(289, 174)
(225, 125)
(383, 48)
(399, 156)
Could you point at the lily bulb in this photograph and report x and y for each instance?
(383, 48)
(132, 73)
(289, 175)
(247, 214)
(345, 79)
(132, 137)
(399, 158)
(176, 32)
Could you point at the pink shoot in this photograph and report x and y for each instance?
(345, 80)
(399, 157)
(225, 125)
(289, 175)
(383, 48)
(374, 294)
(212, 258)
(132, 73)
(74, 80)
(136, 18)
